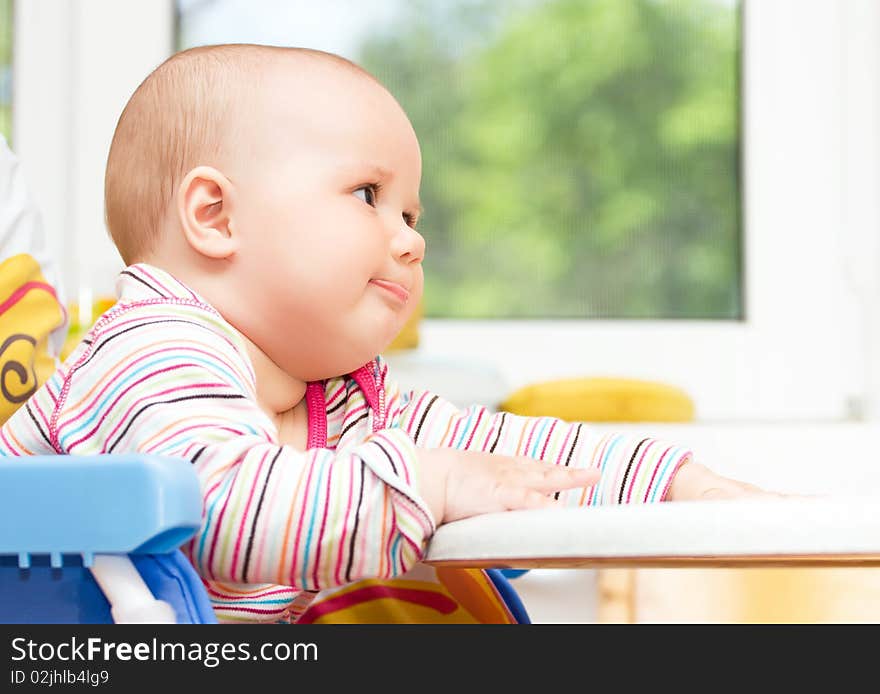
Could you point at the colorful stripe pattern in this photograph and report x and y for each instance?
(163, 373)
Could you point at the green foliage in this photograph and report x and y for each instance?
(580, 156)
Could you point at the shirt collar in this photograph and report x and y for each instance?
(142, 281)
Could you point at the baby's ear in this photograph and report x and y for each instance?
(204, 210)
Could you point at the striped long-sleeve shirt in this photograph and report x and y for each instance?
(163, 373)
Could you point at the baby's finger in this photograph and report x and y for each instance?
(514, 498)
(553, 478)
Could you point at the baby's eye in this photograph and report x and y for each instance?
(369, 194)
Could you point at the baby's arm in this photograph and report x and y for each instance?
(175, 385)
(697, 482)
(633, 469)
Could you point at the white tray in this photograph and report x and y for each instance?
(827, 531)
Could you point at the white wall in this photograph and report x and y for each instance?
(76, 62)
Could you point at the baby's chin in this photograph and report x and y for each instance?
(325, 364)
(337, 348)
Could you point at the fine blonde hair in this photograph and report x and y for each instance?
(178, 118)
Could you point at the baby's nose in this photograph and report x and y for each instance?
(409, 244)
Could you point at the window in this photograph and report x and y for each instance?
(805, 344)
(586, 151)
(6, 69)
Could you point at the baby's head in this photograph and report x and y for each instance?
(283, 185)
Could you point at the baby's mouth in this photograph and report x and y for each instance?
(393, 288)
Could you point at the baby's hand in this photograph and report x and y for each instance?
(458, 484)
(694, 481)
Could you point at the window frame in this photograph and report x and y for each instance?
(805, 349)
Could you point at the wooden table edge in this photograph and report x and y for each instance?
(647, 562)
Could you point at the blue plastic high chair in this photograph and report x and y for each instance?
(94, 540)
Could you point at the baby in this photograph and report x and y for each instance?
(266, 202)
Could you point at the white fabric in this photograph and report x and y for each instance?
(21, 229)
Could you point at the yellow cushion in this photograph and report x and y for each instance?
(29, 312)
(602, 400)
(408, 337)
